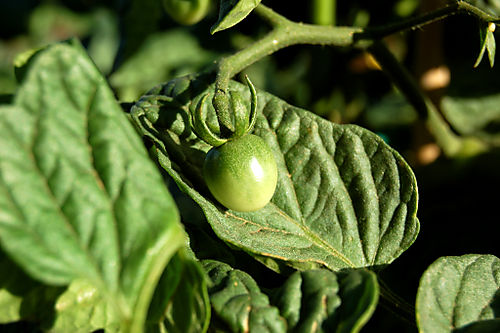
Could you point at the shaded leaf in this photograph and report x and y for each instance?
(344, 198)
(139, 19)
(79, 197)
(458, 291)
(78, 308)
(475, 115)
(162, 56)
(181, 302)
(484, 326)
(81, 308)
(392, 111)
(51, 23)
(22, 298)
(238, 301)
(321, 301)
(232, 12)
(489, 6)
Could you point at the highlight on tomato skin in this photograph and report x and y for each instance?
(186, 12)
(242, 173)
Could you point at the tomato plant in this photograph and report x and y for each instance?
(146, 185)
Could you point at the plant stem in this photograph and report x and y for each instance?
(286, 33)
(445, 138)
(324, 12)
(458, 7)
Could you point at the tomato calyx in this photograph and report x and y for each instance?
(240, 170)
(234, 119)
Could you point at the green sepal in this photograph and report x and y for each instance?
(241, 116)
(221, 104)
(201, 127)
(253, 104)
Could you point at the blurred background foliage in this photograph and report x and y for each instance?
(136, 46)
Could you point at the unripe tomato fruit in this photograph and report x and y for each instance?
(241, 174)
(186, 12)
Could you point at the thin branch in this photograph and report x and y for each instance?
(270, 16)
(426, 110)
(458, 7)
(285, 33)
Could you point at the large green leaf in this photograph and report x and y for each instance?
(344, 198)
(232, 12)
(79, 197)
(319, 300)
(238, 302)
(456, 292)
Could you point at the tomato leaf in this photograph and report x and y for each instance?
(77, 308)
(458, 291)
(475, 112)
(320, 298)
(157, 61)
(82, 308)
(21, 297)
(309, 301)
(232, 12)
(181, 302)
(487, 41)
(238, 301)
(488, 6)
(483, 33)
(344, 198)
(79, 197)
(483, 326)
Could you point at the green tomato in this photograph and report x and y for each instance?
(241, 174)
(187, 12)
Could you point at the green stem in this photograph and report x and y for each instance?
(286, 33)
(445, 137)
(324, 12)
(458, 7)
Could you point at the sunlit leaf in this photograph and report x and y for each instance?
(79, 197)
(344, 198)
(232, 12)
